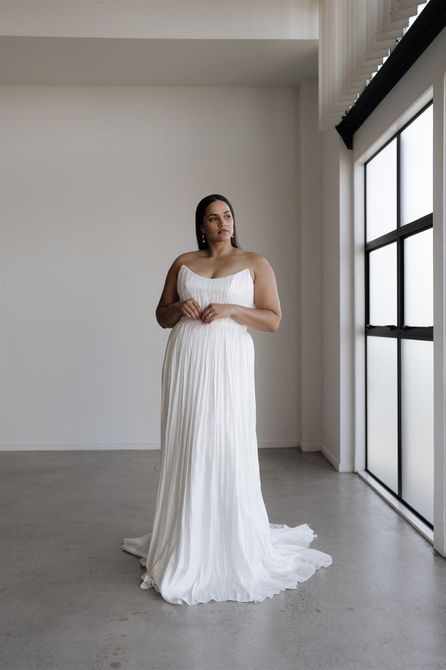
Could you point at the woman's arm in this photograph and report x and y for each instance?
(260, 319)
(170, 308)
(168, 315)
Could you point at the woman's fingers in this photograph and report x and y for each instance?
(208, 315)
(195, 308)
(198, 309)
(192, 308)
(189, 312)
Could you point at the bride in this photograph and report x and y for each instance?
(211, 538)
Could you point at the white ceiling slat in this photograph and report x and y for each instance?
(392, 33)
(369, 29)
(403, 5)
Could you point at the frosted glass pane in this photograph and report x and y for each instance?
(382, 285)
(418, 279)
(381, 192)
(416, 168)
(382, 410)
(417, 425)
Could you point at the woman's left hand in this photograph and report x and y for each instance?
(216, 311)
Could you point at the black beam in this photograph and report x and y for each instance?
(420, 35)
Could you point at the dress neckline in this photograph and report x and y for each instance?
(215, 278)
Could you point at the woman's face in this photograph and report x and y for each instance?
(218, 224)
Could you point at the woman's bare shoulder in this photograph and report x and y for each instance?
(185, 258)
(258, 262)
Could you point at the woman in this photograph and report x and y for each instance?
(211, 538)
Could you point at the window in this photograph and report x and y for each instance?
(399, 315)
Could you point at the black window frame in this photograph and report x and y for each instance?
(400, 331)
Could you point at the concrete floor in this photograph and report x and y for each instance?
(70, 597)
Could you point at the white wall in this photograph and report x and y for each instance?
(338, 411)
(99, 189)
(310, 276)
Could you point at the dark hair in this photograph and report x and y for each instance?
(199, 215)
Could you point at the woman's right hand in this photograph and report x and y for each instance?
(190, 308)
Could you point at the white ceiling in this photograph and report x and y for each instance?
(160, 62)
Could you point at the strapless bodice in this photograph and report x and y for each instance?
(236, 288)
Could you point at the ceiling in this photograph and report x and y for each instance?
(157, 62)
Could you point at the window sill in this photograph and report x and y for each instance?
(419, 525)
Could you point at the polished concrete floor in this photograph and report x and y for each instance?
(70, 597)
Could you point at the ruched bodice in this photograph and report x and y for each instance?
(236, 288)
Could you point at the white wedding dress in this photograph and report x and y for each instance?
(211, 538)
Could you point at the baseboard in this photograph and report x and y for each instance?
(79, 446)
(117, 446)
(277, 444)
(309, 446)
(340, 466)
(141, 446)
